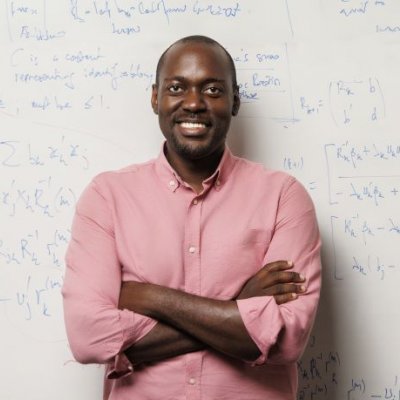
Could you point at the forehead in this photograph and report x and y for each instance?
(191, 60)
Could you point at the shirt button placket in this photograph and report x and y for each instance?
(192, 266)
(193, 371)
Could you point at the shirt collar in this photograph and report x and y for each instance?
(173, 181)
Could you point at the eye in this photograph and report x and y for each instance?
(175, 88)
(213, 91)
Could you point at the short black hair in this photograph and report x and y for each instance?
(204, 40)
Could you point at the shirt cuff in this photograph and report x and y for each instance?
(263, 321)
(119, 368)
(135, 327)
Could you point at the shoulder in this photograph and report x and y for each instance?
(260, 174)
(272, 184)
(110, 184)
(115, 178)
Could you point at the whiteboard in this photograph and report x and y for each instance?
(319, 83)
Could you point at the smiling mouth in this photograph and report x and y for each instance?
(193, 128)
(192, 125)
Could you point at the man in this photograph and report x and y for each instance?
(174, 278)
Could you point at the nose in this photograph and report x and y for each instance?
(194, 101)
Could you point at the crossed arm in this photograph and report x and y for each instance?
(188, 323)
(98, 312)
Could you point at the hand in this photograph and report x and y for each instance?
(274, 280)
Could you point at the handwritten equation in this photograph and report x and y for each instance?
(353, 175)
(81, 79)
(264, 77)
(346, 105)
(359, 390)
(44, 191)
(318, 374)
(29, 20)
(33, 302)
(35, 248)
(367, 16)
(59, 152)
(358, 242)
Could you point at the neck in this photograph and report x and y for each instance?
(194, 172)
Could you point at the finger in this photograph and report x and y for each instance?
(291, 295)
(275, 266)
(285, 289)
(285, 298)
(280, 277)
(280, 265)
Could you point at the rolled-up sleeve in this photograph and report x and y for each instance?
(97, 330)
(281, 332)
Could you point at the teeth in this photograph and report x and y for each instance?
(191, 125)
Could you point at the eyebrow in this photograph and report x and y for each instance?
(183, 79)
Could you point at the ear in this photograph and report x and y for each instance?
(154, 98)
(236, 102)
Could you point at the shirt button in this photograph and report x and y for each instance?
(195, 201)
(172, 183)
(192, 381)
(192, 249)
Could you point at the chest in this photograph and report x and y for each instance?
(207, 245)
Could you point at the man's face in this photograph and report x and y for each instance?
(195, 100)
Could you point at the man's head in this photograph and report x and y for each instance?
(195, 96)
(202, 40)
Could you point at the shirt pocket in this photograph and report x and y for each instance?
(232, 261)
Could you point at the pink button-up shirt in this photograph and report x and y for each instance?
(144, 223)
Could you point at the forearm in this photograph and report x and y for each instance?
(162, 342)
(216, 323)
